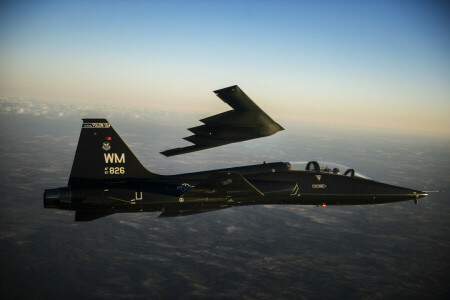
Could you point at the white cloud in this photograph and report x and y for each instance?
(16, 105)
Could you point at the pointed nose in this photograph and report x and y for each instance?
(421, 194)
(391, 193)
(408, 192)
(398, 190)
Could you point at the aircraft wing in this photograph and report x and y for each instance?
(245, 122)
(186, 210)
(219, 191)
(221, 186)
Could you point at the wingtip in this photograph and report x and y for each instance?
(225, 89)
(94, 120)
(183, 150)
(279, 127)
(165, 153)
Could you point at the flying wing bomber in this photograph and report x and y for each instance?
(244, 122)
(107, 178)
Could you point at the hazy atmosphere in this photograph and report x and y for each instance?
(373, 64)
(361, 83)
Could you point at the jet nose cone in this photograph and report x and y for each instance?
(405, 191)
(391, 193)
(414, 193)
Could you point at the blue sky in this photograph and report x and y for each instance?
(377, 64)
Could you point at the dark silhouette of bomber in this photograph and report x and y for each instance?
(245, 122)
(107, 177)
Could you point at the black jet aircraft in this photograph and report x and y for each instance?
(107, 178)
(244, 122)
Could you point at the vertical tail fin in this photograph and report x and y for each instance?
(102, 156)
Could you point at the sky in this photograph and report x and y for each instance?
(382, 65)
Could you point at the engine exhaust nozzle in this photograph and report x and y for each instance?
(54, 198)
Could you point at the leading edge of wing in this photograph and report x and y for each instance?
(237, 99)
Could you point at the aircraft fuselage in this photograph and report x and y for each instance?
(272, 183)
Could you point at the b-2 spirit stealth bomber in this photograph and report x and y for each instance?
(245, 122)
(107, 178)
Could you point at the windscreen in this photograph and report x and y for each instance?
(326, 167)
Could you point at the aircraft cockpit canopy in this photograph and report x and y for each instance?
(325, 167)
